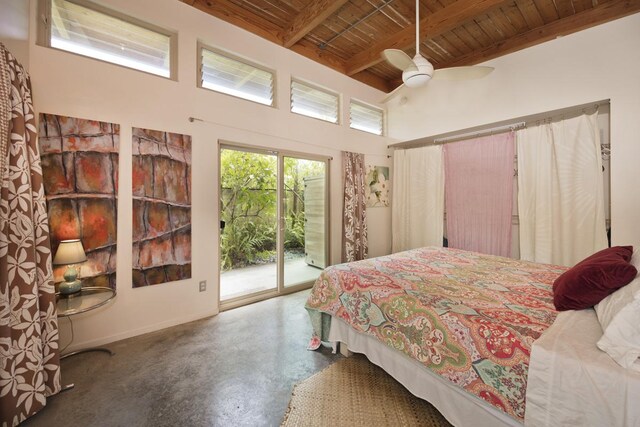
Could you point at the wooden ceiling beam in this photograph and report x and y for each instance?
(306, 48)
(368, 78)
(600, 14)
(435, 24)
(310, 17)
(238, 16)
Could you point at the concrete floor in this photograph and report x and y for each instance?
(255, 278)
(234, 369)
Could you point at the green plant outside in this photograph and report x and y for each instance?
(248, 206)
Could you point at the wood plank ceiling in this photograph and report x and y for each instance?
(349, 35)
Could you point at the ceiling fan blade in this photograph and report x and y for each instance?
(462, 73)
(398, 59)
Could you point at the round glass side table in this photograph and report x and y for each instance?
(86, 299)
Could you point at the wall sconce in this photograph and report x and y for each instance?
(70, 252)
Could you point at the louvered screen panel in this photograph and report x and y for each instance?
(314, 102)
(366, 118)
(82, 30)
(227, 75)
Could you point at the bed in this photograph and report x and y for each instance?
(464, 331)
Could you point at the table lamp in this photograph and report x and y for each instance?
(70, 252)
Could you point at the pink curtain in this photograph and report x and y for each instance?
(479, 193)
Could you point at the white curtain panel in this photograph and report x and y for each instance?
(560, 191)
(417, 205)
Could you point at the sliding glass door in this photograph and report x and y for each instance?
(274, 223)
(248, 213)
(304, 208)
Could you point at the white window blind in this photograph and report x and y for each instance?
(314, 102)
(233, 77)
(366, 118)
(81, 29)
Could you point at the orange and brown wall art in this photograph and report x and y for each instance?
(80, 167)
(161, 207)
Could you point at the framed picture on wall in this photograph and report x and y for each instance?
(377, 186)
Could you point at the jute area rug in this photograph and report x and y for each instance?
(355, 392)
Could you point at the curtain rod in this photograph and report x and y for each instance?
(496, 127)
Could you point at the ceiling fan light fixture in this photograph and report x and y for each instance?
(415, 78)
(419, 75)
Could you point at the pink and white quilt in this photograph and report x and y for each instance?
(469, 317)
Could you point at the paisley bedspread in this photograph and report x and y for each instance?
(469, 317)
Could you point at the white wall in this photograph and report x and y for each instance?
(595, 64)
(72, 85)
(14, 28)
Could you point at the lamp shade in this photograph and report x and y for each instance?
(69, 252)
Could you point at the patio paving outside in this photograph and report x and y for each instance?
(255, 278)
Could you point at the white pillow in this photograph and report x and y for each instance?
(619, 316)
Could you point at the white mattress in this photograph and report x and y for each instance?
(570, 383)
(573, 383)
(459, 407)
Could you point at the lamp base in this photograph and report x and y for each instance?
(67, 288)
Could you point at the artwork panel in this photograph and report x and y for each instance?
(72, 126)
(156, 219)
(186, 271)
(135, 262)
(178, 272)
(64, 221)
(176, 140)
(98, 220)
(113, 261)
(137, 278)
(103, 281)
(98, 143)
(137, 176)
(156, 252)
(115, 163)
(163, 150)
(148, 147)
(115, 136)
(48, 126)
(377, 188)
(135, 146)
(171, 181)
(162, 206)
(138, 223)
(109, 128)
(182, 245)
(49, 145)
(176, 153)
(180, 216)
(186, 142)
(80, 168)
(148, 134)
(155, 276)
(94, 173)
(99, 261)
(59, 174)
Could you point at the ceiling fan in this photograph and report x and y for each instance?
(418, 71)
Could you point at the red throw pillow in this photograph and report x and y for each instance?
(592, 279)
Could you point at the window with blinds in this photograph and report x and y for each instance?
(366, 118)
(314, 102)
(223, 73)
(91, 30)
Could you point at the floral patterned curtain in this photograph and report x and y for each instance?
(29, 356)
(354, 221)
